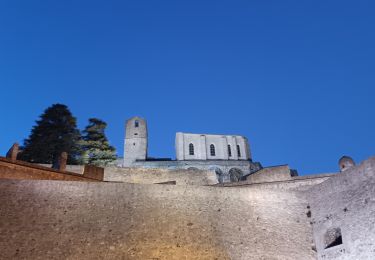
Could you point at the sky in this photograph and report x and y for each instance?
(295, 77)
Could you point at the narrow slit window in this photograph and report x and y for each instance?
(238, 151)
(212, 150)
(191, 149)
(229, 151)
(136, 123)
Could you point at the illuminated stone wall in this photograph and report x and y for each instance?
(81, 220)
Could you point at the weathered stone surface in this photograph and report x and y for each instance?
(13, 152)
(153, 175)
(300, 183)
(328, 216)
(77, 220)
(23, 170)
(270, 174)
(150, 176)
(62, 161)
(346, 202)
(220, 167)
(220, 153)
(345, 163)
(93, 172)
(211, 147)
(135, 145)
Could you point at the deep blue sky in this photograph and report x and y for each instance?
(296, 77)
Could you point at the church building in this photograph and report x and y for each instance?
(228, 155)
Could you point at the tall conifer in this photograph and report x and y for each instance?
(97, 150)
(55, 132)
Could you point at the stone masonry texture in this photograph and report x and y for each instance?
(87, 220)
(22, 170)
(46, 214)
(346, 202)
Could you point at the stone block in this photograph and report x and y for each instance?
(13, 152)
(93, 172)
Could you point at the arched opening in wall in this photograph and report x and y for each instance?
(219, 174)
(212, 150)
(191, 149)
(238, 151)
(229, 151)
(136, 123)
(332, 238)
(235, 175)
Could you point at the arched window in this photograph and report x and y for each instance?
(235, 174)
(229, 151)
(136, 123)
(212, 150)
(238, 151)
(191, 149)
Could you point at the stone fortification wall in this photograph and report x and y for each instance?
(270, 174)
(77, 220)
(343, 214)
(150, 176)
(22, 170)
(154, 175)
(301, 183)
(221, 167)
(71, 168)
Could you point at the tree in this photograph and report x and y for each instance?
(95, 145)
(54, 133)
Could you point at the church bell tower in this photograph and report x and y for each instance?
(135, 140)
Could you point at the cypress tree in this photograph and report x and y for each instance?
(97, 150)
(55, 132)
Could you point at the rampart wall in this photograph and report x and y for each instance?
(154, 175)
(150, 176)
(22, 170)
(345, 205)
(82, 220)
(268, 174)
(301, 183)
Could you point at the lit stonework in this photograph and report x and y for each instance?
(211, 147)
(227, 155)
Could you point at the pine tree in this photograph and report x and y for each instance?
(55, 132)
(95, 145)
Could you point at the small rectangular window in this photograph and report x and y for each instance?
(332, 238)
(238, 151)
(229, 151)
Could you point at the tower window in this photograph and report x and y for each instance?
(191, 149)
(238, 151)
(212, 150)
(136, 123)
(229, 151)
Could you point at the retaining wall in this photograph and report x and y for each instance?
(83, 220)
(23, 170)
(345, 203)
